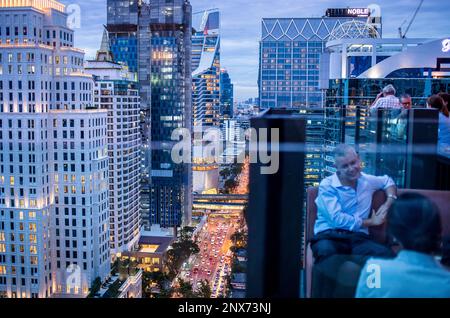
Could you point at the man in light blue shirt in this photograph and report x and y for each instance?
(343, 218)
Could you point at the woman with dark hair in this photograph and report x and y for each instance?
(446, 98)
(438, 103)
(414, 222)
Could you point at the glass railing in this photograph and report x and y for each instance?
(402, 144)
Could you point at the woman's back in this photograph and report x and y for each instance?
(409, 275)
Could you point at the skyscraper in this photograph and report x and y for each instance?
(54, 234)
(163, 60)
(290, 52)
(122, 21)
(226, 95)
(171, 88)
(115, 90)
(205, 95)
(206, 70)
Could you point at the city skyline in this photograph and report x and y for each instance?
(240, 49)
(127, 172)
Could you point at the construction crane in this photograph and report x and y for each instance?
(410, 22)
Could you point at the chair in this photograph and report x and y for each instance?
(440, 198)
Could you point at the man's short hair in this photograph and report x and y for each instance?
(342, 150)
(406, 96)
(389, 89)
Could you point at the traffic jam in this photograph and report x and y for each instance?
(213, 262)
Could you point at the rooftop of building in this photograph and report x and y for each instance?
(36, 4)
(154, 244)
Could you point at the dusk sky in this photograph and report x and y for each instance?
(241, 27)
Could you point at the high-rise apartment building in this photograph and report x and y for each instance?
(130, 45)
(54, 235)
(115, 90)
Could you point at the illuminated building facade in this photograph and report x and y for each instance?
(205, 95)
(115, 90)
(226, 96)
(171, 98)
(290, 53)
(206, 70)
(161, 30)
(54, 233)
(126, 29)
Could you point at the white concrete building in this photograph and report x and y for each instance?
(54, 235)
(115, 90)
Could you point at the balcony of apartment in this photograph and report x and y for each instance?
(401, 144)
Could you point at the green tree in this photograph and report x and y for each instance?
(204, 290)
(239, 239)
(230, 185)
(95, 287)
(181, 250)
(162, 282)
(185, 289)
(225, 173)
(173, 262)
(237, 169)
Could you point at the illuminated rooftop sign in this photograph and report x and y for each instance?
(348, 12)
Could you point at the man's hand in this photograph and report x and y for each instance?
(376, 99)
(377, 218)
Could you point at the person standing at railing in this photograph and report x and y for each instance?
(402, 117)
(343, 219)
(446, 99)
(386, 99)
(413, 221)
(437, 102)
(406, 101)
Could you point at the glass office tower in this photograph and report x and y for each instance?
(154, 38)
(171, 98)
(290, 53)
(226, 95)
(122, 20)
(206, 70)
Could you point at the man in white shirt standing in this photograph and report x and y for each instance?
(386, 99)
(341, 231)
